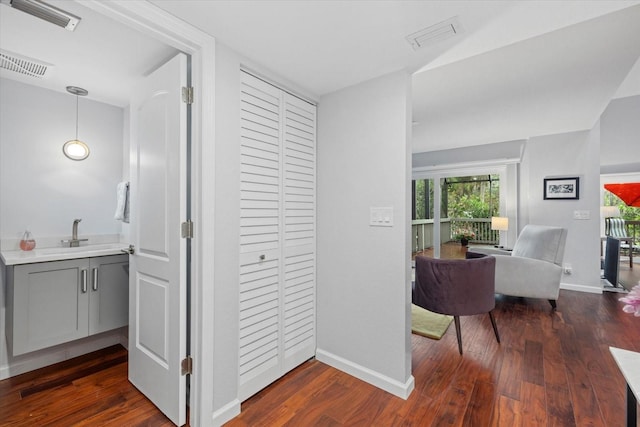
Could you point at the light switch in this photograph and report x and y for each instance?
(381, 217)
(581, 214)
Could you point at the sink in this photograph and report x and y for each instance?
(87, 248)
(61, 253)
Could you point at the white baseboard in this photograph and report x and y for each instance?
(226, 413)
(580, 288)
(397, 388)
(45, 357)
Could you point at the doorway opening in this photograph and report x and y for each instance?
(464, 210)
(621, 221)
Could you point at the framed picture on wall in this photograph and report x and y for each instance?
(562, 188)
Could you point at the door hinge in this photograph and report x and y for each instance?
(187, 229)
(187, 94)
(187, 366)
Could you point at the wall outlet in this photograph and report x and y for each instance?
(567, 269)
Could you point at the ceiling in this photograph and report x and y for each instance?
(101, 56)
(518, 69)
(556, 82)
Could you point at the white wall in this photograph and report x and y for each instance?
(510, 203)
(226, 314)
(620, 130)
(39, 187)
(566, 155)
(364, 289)
(126, 165)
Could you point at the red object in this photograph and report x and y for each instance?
(27, 245)
(628, 192)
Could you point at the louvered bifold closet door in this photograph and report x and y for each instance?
(277, 234)
(260, 237)
(299, 231)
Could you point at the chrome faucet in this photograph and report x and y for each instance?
(74, 242)
(74, 233)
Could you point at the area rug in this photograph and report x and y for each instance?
(427, 323)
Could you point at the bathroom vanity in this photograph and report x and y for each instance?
(59, 295)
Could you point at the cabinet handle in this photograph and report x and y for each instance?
(83, 282)
(130, 250)
(262, 257)
(95, 279)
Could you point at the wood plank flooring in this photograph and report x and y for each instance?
(90, 390)
(551, 369)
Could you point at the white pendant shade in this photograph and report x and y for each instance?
(75, 150)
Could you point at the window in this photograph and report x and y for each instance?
(475, 196)
(422, 199)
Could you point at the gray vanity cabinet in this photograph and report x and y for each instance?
(51, 303)
(109, 293)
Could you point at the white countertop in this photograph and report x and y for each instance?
(629, 364)
(59, 253)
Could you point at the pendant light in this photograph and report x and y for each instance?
(76, 149)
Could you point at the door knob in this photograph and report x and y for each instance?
(130, 250)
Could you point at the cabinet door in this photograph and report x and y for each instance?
(51, 304)
(277, 233)
(260, 236)
(109, 293)
(299, 219)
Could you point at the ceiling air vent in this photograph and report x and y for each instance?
(23, 65)
(435, 33)
(47, 12)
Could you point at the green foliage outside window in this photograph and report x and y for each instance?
(462, 197)
(629, 213)
(473, 196)
(424, 201)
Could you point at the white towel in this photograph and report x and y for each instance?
(122, 205)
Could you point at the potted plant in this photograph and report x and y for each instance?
(464, 235)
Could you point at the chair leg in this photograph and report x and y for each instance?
(553, 304)
(456, 320)
(495, 327)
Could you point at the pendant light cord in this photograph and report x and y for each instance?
(77, 98)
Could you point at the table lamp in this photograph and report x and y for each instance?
(609, 211)
(499, 223)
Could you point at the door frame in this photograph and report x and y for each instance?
(154, 22)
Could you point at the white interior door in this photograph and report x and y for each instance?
(157, 278)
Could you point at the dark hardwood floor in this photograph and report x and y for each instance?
(90, 390)
(551, 369)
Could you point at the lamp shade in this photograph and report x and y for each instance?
(609, 211)
(499, 223)
(75, 150)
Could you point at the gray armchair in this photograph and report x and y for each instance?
(456, 287)
(534, 268)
